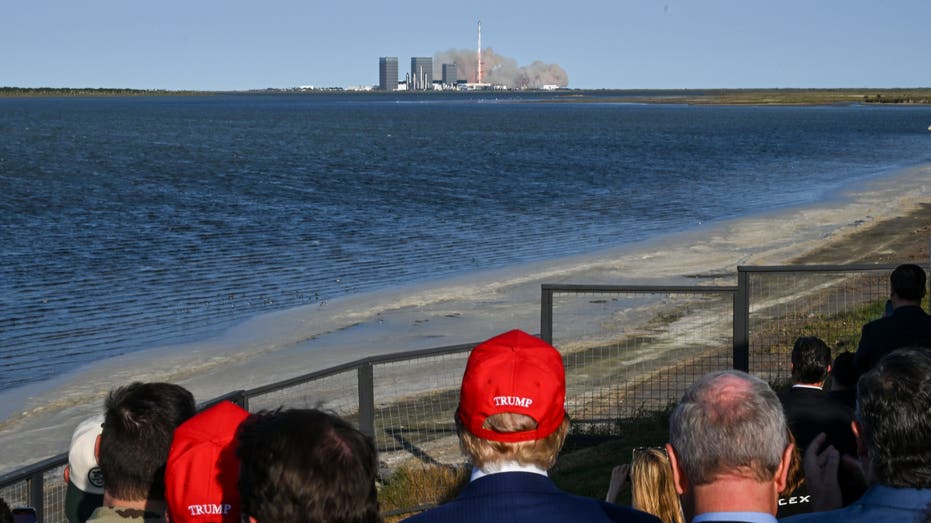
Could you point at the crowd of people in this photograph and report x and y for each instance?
(737, 451)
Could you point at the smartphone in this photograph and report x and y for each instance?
(24, 515)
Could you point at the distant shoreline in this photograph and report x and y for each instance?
(773, 96)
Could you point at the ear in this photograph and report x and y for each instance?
(857, 434)
(252, 520)
(97, 448)
(782, 473)
(67, 473)
(679, 480)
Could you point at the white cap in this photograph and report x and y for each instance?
(85, 473)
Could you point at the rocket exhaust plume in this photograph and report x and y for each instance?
(490, 67)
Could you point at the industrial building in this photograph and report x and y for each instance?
(420, 77)
(450, 77)
(388, 73)
(421, 73)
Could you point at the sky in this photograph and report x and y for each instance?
(610, 44)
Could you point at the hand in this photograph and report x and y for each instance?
(821, 475)
(619, 476)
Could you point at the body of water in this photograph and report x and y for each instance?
(132, 223)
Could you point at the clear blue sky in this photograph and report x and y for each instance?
(239, 44)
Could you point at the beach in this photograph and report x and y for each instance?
(883, 220)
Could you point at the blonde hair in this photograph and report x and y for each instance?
(485, 454)
(652, 488)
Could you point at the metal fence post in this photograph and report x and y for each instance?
(546, 315)
(741, 357)
(367, 399)
(37, 494)
(242, 400)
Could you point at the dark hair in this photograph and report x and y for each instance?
(908, 282)
(6, 515)
(138, 425)
(894, 412)
(844, 370)
(306, 466)
(810, 360)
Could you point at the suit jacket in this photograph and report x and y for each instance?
(811, 411)
(879, 504)
(847, 397)
(908, 326)
(525, 497)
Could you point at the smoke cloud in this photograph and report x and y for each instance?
(500, 70)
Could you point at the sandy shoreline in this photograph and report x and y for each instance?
(882, 220)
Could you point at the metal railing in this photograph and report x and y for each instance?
(627, 349)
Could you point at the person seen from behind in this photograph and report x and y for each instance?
(651, 487)
(729, 449)
(139, 423)
(82, 473)
(908, 325)
(808, 408)
(844, 380)
(512, 423)
(893, 430)
(202, 472)
(306, 466)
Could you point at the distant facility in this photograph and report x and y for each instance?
(421, 73)
(458, 71)
(388, 73)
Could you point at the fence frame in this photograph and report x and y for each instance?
(364, 367)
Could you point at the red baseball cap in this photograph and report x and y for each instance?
(202, 472)
(517, 373)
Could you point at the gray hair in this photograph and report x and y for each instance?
(728, 422)
(894, 411)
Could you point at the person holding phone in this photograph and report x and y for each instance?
(650, 478)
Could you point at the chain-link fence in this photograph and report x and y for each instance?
(635, 349)
(830, 302)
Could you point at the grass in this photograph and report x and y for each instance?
(24, 92)
(583, 468)
(416, 484)
(756, 96)
(689, 96)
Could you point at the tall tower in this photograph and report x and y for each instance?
(388, 73)
(479, 80)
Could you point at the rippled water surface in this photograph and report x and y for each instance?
(129, 223)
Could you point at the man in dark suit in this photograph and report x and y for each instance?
(844, 377)
(512, 423)
(809, 410)
(907, 326)
(729, 449)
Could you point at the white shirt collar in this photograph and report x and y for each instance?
(505, 466)
(803, 386)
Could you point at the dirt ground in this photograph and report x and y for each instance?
(902, 239)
